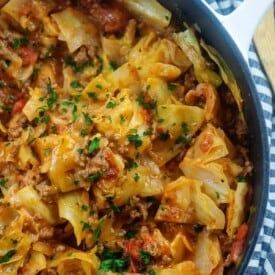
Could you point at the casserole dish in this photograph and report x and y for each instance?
(231, 36)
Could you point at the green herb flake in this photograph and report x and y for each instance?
(241, 179)
(113, 261)
(19, 42)
(131, 164)
(99, 86)
(88, 121)
(172, 87)
(84, 207)
(145, 257)
(6, 257)
(76, 85)
(152, 272)
(93, 96)
(145, 103)
(77, 68)
(94, 177)
(3, 182)
(80, 151)
(148, 132)
(164, 136)
(94, 145)
(130, 234)
(114, 207)
(135, 139)
(136, 177)
(86, 226)
(114, 65)
(111, 105)
(52, 96)
(122, 118)
(84, 132)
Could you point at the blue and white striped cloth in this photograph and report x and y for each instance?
(263, 258)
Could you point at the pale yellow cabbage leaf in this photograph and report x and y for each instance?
(88, 258)
(207, 253)
(76, 29)
(186, 267)
(215, 182)
(36, 263)
(184, 202)
(188, 42)
(210, 145)
(34, 105)
(176, 119)
(235, 212)
(151, 11)
(70, 208)
(29, 198)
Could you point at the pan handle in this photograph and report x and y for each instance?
(241, 23)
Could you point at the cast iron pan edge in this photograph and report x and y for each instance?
(194, 11)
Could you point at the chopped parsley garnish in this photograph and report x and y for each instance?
(20, 41)
(97, 231)
(241, 179)
(72, 104)
(183, 138)
(111, 105)
(152, 272)
(94, 177)
(145, 257)
(86, 226)
(52, 96)
(84, 207)
(136, 177)
(164, 136)
(80, 151)
(113, 261)
(77, 68)
(160, 120)
(94, 145)
(148, 132)
(146, 104)
(6, 257)
(172, 87)
(130, 234)
(135, 139)
(3, 182)
(76, 85)
(131, 164)
(113, 65)
(88, 121)
(99, 86)
(122, 118)
(42, 118)
(114, 207)
(84, 132)
(93, 96)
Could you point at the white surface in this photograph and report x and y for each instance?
(241, 24)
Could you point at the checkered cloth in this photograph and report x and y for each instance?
(263, 258)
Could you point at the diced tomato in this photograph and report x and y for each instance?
(207, 142)
(238, 244)
(18, 106)
(133, 247)
(28, 55)
(26, 9)
(112, 16)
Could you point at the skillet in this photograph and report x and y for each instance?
(231, 37)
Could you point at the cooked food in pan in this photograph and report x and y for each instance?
(122, 143)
